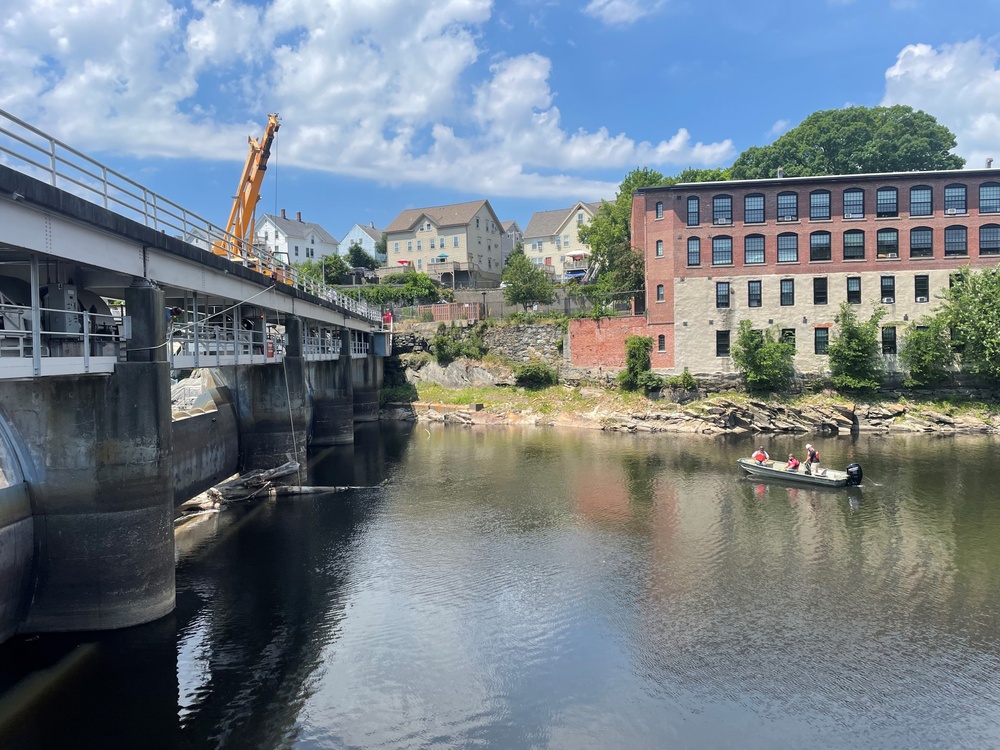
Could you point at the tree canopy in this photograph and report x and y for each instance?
(357, 257)
(765, 362)
(854, 140)
(972, 311)
(855, 352)
(332, 269)
(523, 283)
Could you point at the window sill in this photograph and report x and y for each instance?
(789, 263)
(884, 258)
(723, 265)
(754, 223)
(855, 218)
(887, 218)
(855, 260)
(921, 257)
(825, 260)
(788, 222)
(921, 217)
(820, 221)
(955, 255)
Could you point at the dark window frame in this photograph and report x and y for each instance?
(853, 295)
(787, 287)
(854, 198)
(755, 293)
(887, 289)
(722, 343)
(889, 340)
(661, 295)
(921, 288)
(788, 205)
(854, 246)
(922, 207)
(819, 211)
(989, 239)
(956, 199)
(661, 343)
(659, 209)
(696, 243)
(918, 247)
(694, 201)
(723, 294)
(659, 248)
(992, 203)
(720, 253)
(754, 215)
(722, 210)
(816, 251)
(953, 246)
(887, 243)
(821, 341)
(887, 202)
(821, 290)
(786, 235)
(747, 250)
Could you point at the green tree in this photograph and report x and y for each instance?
(358, 258)
(972, 311)
(637, 361)
(333, 266)
(854, 140)
(382, 246)
(525, 285)
(765, 362)
(407, 288)
(926, 352)
(856, 352)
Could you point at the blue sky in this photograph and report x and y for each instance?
(395, 104)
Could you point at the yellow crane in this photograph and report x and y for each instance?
(237, 244)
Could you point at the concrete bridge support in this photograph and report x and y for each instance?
(367, 377)
(272, 406)
(332, 388)
(99, 450)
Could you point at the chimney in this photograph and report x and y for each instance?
(989, 163)
(283, 214)
(298, 216)
(373, 223)
(781, 172)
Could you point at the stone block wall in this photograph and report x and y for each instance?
(526, 343)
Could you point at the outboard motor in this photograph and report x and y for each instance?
(854, 475)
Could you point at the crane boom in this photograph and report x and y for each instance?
(238, 241)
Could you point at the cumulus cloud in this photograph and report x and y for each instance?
(621, 12)
(779, 127)
(960, 85)
(378, 89)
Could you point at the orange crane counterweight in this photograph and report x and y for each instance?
(237, 245)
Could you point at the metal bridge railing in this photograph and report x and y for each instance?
(33, 340)
(27, 149)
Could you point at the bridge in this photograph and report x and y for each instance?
(109, 293)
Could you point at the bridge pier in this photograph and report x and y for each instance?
(99, 450)
(273, 406)
(367, 378)
(333, 397)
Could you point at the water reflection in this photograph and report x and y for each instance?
(512, 587)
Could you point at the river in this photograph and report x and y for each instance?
(530, 587)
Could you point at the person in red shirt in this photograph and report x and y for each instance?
(793, 463)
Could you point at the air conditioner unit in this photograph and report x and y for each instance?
(854, 216)
(723, 221)
(951, 211)
(921, 299)
(788, 218)
(888, 300)
(892, 255)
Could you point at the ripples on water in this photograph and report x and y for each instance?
(536, 588)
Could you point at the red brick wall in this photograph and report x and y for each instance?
(594, 343)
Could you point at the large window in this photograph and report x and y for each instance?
(722, 209)
(722, 343)
(722, 251)
(722, 294)
(854, 245)
(820, 296)
(659, 209)
(788, 206)
(753, 209)
(954, 199)
(920, 201)
(694, 213)
(922, 288)
(889, 340)
(788, 247)
(659, 248)
(821, 340)
(753, 249)
(888, 287)
(854, 203)
(956, 241)
(887, 244)
(694, 251)
(989, 239)
(819, 246)
(819, 204)
(921, 242)
(854, 290)
(754, 295)
(787, 292)
(887, 202)
(989, 198)
(659, 293)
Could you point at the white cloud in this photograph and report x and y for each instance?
(779, 127)
(960, 85)
(379, 89)
(621, 12)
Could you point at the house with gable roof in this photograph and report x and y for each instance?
(367, 236)
(512, 234)
(551, 240)
(294, 239)
(458, 245)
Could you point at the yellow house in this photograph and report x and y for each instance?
(458, 245)
(552, 240)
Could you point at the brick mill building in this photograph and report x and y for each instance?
(784, 253)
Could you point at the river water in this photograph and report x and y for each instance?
(515, 588)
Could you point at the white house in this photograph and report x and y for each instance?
(367, 236)
(294, 239)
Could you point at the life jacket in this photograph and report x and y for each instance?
(760, 456)
(813, 457)
(793, 464)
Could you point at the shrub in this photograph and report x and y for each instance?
(764, 363)
(406, 393)
(685, 380)
(856, 353)
(535, 375)
(649, 381)
(637, 351)
(427, 317)
(449, 343)
(926, 352)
